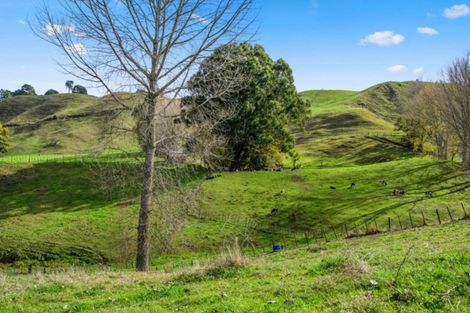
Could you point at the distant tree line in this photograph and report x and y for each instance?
(28, 90)
(436, 116)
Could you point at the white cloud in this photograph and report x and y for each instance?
(385, 38)
(427, 31)
(21, 21)
(54, 29)
(77, 48)
(419, 70)
(199, 18)
(457, 11)
(397, 69)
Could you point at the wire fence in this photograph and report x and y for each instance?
(65, 158)
(413, 219)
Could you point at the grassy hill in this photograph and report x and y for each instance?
(54, 212)
(57, 204)
(57, 124)
(382, 99)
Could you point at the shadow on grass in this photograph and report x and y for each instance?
(314, 210)
(57, 187)
(77, 186)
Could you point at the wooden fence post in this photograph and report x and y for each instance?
(399, 221)
(438, 216)
(389, 224)
(450, 214)
(465, 215)
(424, 219)
(324, 234)
(334, 232)
(346, 230)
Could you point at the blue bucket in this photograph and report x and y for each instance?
(277, 248)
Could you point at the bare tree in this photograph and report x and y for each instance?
(422, 112)
(150, 45)
(456, 109)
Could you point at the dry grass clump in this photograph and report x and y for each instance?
(233, 257)
(355, 266)
(226, 266)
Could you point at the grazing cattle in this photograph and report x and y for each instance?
(332, 187)
(397, 192)
(383, 182)
(280, 193)
(353, 186)
(429, 194)
(274, 211)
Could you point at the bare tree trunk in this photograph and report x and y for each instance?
(143, 248)
(139, 45)
(465, 157)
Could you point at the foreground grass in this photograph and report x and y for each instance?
(357, 275)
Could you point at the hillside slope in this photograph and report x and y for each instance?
(382, 99)
(424, 270)
(62, 123)
(59, 207)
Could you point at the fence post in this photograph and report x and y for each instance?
(465, 215)
(334, 233)
(450, 215)
(438, 216)
(346, 230)
(399, 221)
(424, 219)
(389, 224)
(324, 234)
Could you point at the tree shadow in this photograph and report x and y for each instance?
(315, 210)
(56, 187)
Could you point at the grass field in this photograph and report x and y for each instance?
(54, 212)
(60, 124)
(55, 200)
(424, 270)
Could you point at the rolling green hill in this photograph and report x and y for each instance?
(54, 212)
(58, 204)
(382, 99)
(58, 124)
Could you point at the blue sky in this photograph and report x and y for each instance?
(330, 44)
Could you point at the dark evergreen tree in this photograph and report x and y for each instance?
(267, 104)
(51, 92)
(26, 90)
(79, 89)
